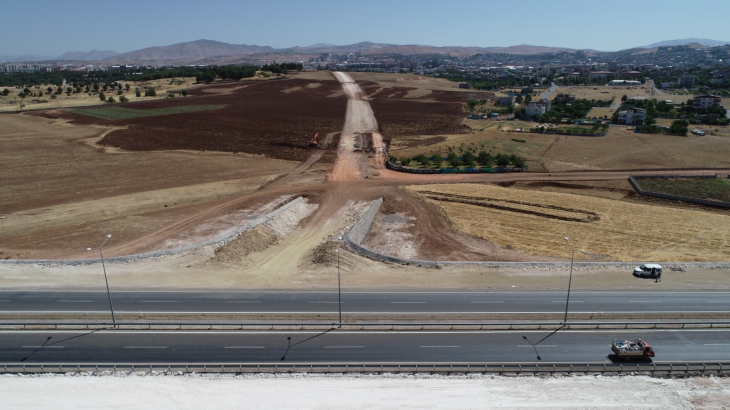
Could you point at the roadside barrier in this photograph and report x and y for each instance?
(366, 326)
(674, 369)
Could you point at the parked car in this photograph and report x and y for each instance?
(648, 269)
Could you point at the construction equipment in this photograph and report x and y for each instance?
(632, 349)
(314, 142)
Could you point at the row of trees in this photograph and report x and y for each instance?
(467, 159)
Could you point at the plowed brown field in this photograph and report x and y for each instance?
(273, 118)
(536, 222)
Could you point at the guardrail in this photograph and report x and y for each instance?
(392, 326)
(678, 369)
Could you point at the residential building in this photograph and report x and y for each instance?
(669, 84)
(625, 82)
(508, 100)
(704, 118)
(600, 74)
(635, 116)
(705, 102)
(527, 90)
(536, 109)
(465, 85)
(565, 97)
(629, 75)
(686, 80)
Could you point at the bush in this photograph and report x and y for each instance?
(437, 160)
(123, 99)
(150, 92)
(485, 159)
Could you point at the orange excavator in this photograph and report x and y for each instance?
(314, 142)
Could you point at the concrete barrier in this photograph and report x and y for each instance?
(219, 240)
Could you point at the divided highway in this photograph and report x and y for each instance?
(335, 346)
(18, 302)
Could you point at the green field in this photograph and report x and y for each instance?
(119, 113)
(710, 189)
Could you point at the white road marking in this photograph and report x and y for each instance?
(645, 301)
(445, 347)
(45, 347)
(344, 347)
(244, 347)
(145, 347)
(537, 345)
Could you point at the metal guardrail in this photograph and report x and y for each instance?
(364, 325)
(679, 369)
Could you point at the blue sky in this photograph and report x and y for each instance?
(51, 28)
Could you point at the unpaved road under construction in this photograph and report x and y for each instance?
(356, 178)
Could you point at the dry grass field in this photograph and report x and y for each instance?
(536, 222)
(624, 149)
(495, 136)
(161, 86)
(61, 192)
(604, 92)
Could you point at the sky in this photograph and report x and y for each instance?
(52, 27)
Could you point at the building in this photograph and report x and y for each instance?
(629, 75)
(600, 74)
(669, 84)
(465, 85)
(536, 109)
(705, 102)
(565, 97)
(625, 82)
(632, 117)
(686, 81)
(508, 100)
(705, 118)
(527, 90)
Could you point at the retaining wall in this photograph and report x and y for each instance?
(221, 239)
(632, 180)
(354, 238)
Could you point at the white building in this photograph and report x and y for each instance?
(536, 109)
(625, 82)
(629, 117)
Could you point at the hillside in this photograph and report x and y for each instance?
(87, 56)
(193, 50)
(686, 41)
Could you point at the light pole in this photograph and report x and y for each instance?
(111, 307)
(339, 282)
(570, 280)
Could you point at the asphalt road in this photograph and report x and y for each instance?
(518, 346)
(356, 302)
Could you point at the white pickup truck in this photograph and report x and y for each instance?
(648, 269)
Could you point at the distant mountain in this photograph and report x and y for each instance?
(86, 56)
(321, 45)
(685, 41)
(24, 58)
(192, 50)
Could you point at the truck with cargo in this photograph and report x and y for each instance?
(632, 349)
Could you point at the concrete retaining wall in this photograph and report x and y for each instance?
(219, 240)
(354, 238)
(632, 180)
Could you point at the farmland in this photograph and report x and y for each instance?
(535, 223)
(710, 189)
(119, 113)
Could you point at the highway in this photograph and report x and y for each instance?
(335, 346)
(213, 302)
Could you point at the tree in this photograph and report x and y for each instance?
(485, 159)
(21, 94)
(502, 160)
(111, 100)
(6, 91)
(137, 92)
(437, 160)
(519, 99)
(649, 120)
(624, 98)
(49, 90)
(518, 161)
(150, 92)
(184, 93)
(120, 92)
(126, 87)
(102, 97)
(123, 99)
(679, 127)
(405, 162)
(469, 159)
(528, 99)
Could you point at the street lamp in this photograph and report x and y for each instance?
(111, 307)
(570, 280)
(339, 282)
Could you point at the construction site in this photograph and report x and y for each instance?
(256, 184)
